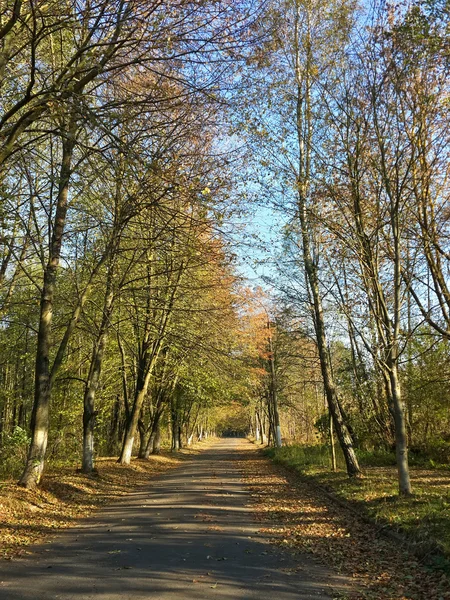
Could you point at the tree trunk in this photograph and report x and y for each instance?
(34, 467)
(304, 123)
(151, 440)
(274, 392)
(150, 445)
(343, 434)
(175, 436)
(257, 430)
(333, 450)
(260, 426)
(401, 438)
(174, 422)
(344, 437)
(89, 412)
(87, 465)
(127, 447)
(142, 437)
(146, 364)
(148, 359)
(157, 442)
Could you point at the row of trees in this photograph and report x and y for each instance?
(349, 122)
(119, 302)
(115, 283)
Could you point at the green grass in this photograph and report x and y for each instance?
(304, 457)
(424, 518)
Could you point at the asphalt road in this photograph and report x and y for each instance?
(189, 534)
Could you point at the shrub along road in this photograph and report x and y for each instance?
(189, 534)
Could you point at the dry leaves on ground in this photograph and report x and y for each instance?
(302, 518)
(30, 516)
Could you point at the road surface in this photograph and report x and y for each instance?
(190, 534)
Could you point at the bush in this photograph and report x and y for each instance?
(319, 455)
(304, 457)
(435, 453)
(376, 458)
(13, 452)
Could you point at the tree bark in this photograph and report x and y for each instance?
(149, 355)
(304, 125)
(157, 441)
(343, 434)
(274, 392)
(142, 436)
(89, 412)
(141, 392)
(401, 437)
(333, 450)
(342, 431)
(34, 467)
(175, 427)
(151, 440)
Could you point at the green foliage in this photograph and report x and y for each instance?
(376, 458)
(306, 457)
(322, 424)
(435, 453)
(318, 456)
(313, 457)
(13, 452)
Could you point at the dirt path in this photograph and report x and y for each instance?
(189, 535)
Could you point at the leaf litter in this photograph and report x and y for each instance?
(31, 516)
(302, 518)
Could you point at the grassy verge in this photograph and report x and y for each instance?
(300, 516)
(65, 495)
(423, 520)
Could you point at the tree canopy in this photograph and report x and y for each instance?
(138, 142)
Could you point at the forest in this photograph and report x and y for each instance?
(228, 217)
